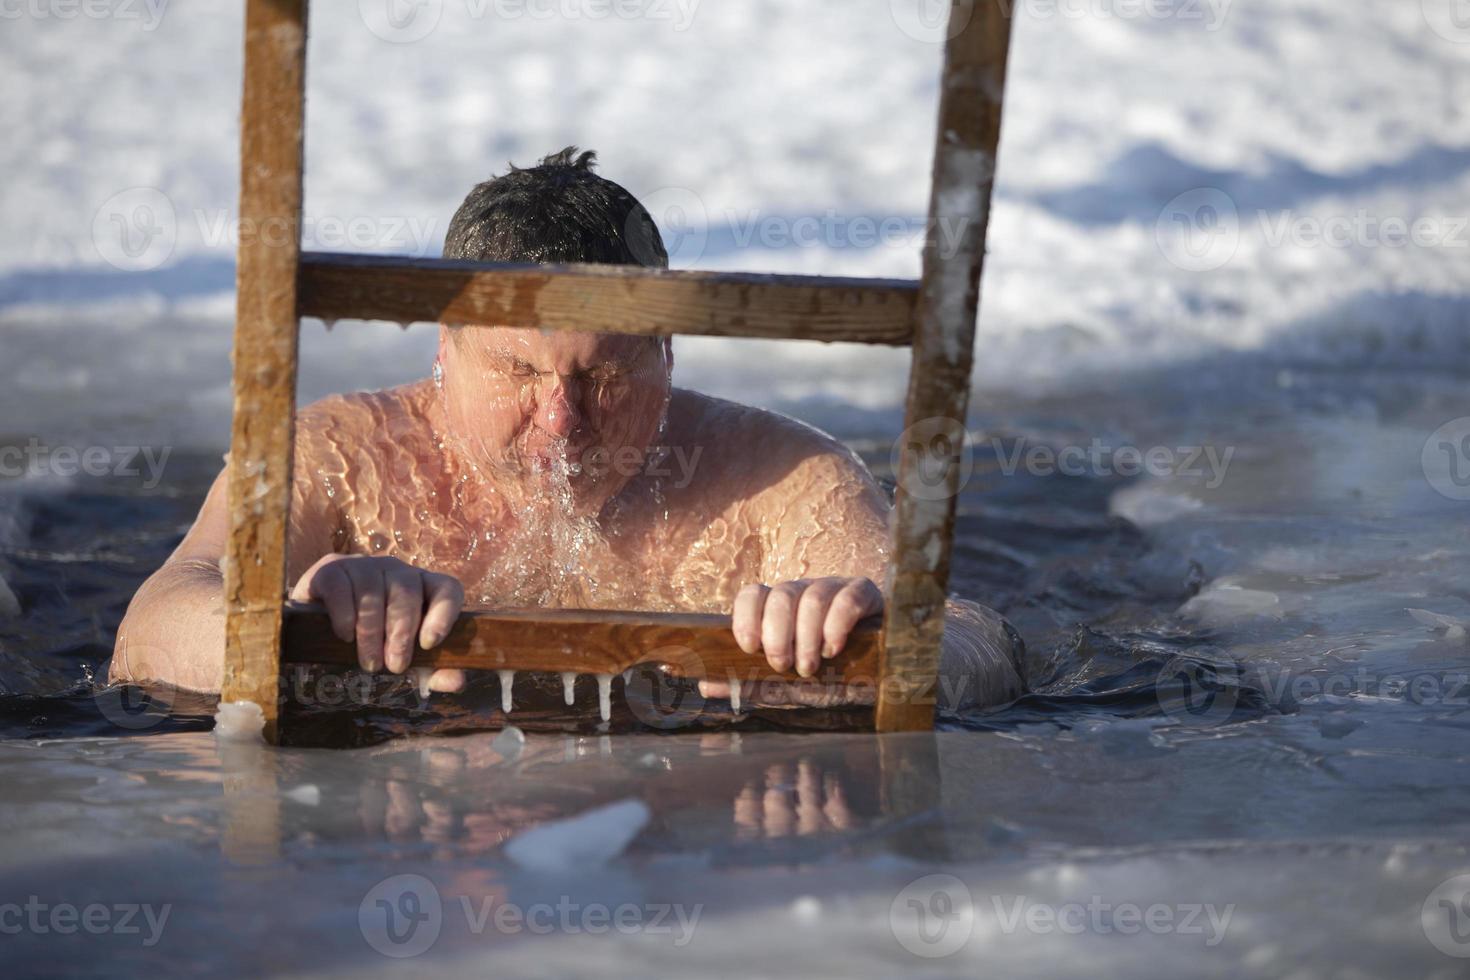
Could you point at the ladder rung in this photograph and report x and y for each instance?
(587, 642)
(609, 299)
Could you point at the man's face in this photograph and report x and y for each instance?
(531, 404)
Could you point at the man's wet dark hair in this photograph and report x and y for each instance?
(557, 211)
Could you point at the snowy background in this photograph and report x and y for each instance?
(1281, 179)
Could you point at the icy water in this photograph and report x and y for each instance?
(1244, 752)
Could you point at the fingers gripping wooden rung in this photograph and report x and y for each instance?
(688, 645)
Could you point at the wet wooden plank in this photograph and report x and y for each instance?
(265, 351)
(971, 91)
(589, 642)
(611, 299)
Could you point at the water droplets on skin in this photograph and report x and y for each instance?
(569, 687)
(507, 689)
(522, 532)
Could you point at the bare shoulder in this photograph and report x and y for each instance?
(358, 422)
(363, 410)
(770, 451)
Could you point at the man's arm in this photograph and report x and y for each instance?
(174, 630)
(826, 551)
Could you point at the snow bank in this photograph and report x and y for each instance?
(1218, 176)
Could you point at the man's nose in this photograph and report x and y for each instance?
(557, 412)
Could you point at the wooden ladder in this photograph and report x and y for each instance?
(278, 284)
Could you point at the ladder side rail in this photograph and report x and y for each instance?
(265, 352)
(972, 87)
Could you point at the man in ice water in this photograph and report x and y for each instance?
(561, 469)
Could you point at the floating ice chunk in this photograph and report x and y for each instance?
(569, 686)
(308, 794)
(421, 677)
(507, 688)
(604, 695)
(1152, 503)
(239, 721)
(509, 743)
(1454, 628)
(1222, 603)
(588, 840)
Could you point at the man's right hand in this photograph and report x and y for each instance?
(383, 604)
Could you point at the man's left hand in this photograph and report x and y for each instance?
(799, 624)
